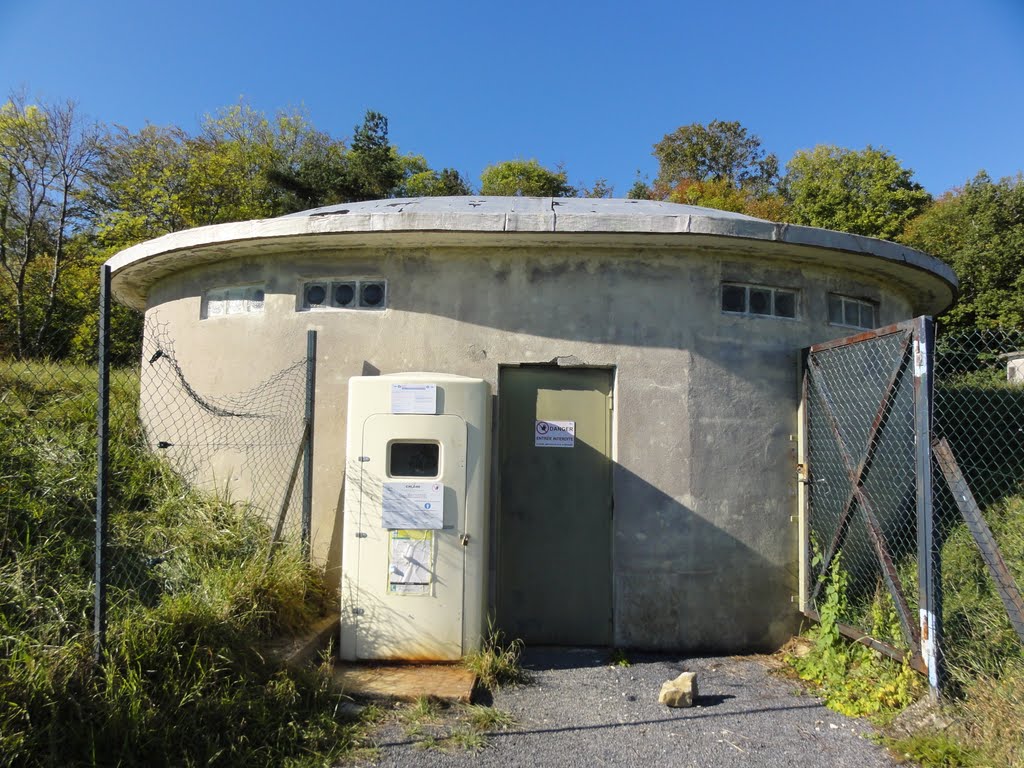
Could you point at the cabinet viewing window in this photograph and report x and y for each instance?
(854, 313)
(235, 300)
(344, 294)
(758, 300)
(414, 459)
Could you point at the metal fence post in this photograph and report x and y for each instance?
(928, 556)
(307, 462)
(102, 440)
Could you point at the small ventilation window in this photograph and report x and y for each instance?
(233, 300)
(851, 312)
(344, 294)
(371, 294)
(414, 459)
(315, 294)
(758, 300)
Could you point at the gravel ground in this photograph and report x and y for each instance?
(581, 711)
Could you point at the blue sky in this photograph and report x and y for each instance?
(593, 85)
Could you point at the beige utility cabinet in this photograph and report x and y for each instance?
(414, 553)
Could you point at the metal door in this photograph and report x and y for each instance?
(554, 524)
(421, 621)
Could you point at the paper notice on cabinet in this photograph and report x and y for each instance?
(410, 562)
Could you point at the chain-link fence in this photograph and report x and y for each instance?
(862, 491)
(915, 526)
(72, 550)
(979, 501)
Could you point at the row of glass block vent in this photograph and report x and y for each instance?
(345, 294)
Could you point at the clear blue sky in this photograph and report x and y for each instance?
(593, 85)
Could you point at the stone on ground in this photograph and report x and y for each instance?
(681, 692)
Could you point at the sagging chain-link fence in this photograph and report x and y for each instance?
(862, 490)
(67, 561)
(978, 430)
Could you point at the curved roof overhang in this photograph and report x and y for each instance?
(506, 222)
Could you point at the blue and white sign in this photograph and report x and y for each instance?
(413, 506)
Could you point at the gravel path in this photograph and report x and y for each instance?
(580, 711)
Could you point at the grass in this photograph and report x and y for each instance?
(497, 663)
(489, 718)
(436, 725)
(193, 597)
(982, 654)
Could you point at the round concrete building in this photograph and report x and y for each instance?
(639, 482)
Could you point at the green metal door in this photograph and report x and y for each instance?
(554, 525)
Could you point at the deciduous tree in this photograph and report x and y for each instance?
(525, 178)
(721, 151)
(866, 192)
(978, 230)
(46, 150)
(429, 183)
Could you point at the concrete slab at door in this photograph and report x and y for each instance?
(411, 626)
(554, 523)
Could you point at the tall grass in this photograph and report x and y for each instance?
(194, 597)
(983, 654)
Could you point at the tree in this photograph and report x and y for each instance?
(724, 196)
(600, 188)
(428, 183)
(525, 178)
(721, 152)
(978, 230)
(866, 192)
(640, 190)
(375, 169)
(45, 152)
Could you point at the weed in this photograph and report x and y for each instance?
(932, 750)
(854, 679)
(497, 663)
(468, 739)
(618, 658)
(488, 718)
(424, 709)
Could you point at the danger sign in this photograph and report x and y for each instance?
(554, 434)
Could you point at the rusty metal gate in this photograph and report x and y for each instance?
(867, 557)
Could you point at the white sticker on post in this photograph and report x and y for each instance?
(554, 434)
(414, 398)
(416, 506)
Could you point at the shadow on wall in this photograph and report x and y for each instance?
(678, 582)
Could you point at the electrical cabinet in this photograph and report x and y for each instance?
(414, 552)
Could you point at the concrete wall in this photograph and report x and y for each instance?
(705, 548)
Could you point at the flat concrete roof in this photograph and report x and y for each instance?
(522, 221)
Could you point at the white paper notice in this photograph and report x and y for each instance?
(409, 570)
(414, 398)
(554, 434)
(413, 505)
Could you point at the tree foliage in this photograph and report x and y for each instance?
(524, 178)
(428, 183)
(722, 152)
(866, 192)
(46, 153)
(978, 230)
